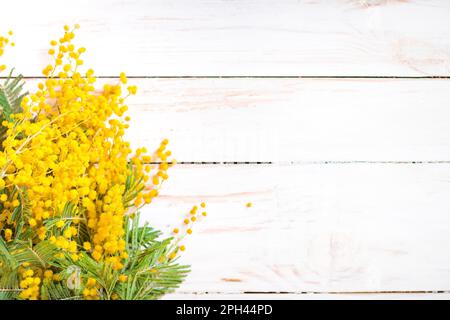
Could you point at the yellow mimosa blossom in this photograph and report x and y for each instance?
(4, 41)
(66, 167)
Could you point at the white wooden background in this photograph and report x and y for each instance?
(332, 117)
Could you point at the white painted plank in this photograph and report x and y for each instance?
(284, 120)
(312, 228)
(308, 296)
(264, 37)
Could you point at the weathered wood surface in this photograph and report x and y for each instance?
(318, 228)
(309, 296)
(240, 38)
(355, 202)
(293, 120)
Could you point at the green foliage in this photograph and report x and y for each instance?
(11, 96)
(150, 273)
(133, 186)
(57, 291)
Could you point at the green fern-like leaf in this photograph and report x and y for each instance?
(150, 274)
(9, 279)
(9, 294)
(148, 270)
(40, 255)
(7, 260)
(21, 214)
(11, 95)
(57, 291)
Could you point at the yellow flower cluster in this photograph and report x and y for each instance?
(66, 152)
(29, 283)
(68, 146)
(194, 215)
(3, 42)
(90, 291)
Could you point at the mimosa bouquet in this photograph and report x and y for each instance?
(71, 190)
